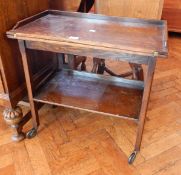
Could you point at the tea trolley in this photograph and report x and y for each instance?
(132, 40)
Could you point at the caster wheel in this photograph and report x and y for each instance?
(32, 133)
(132, 157)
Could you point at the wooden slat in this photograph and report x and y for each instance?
(22, 167)
(6, 160)
(161, 145)
(36, 157)
(165, 159)
(8, 170)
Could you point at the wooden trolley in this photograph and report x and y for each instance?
(125, 39)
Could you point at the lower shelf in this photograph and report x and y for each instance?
(93, 93)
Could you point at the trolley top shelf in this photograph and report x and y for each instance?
(127, 35)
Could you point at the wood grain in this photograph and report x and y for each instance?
(70, 5)
(129, 8)
(172, 13)
(85, 142)
(131, 35)
(68, 89)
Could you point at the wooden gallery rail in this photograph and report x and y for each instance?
(124, 39)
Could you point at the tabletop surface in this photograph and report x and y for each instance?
(128, 34)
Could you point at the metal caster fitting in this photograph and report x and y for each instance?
(32, 133)
(132, 157)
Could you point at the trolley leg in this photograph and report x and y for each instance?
(29, 82)
(145, 100)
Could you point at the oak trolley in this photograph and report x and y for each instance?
(124, 39)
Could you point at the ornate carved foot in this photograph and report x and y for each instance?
(13, 118)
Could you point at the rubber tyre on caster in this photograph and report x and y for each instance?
(32, 133)
(132, 157)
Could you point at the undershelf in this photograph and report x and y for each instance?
(94, 93)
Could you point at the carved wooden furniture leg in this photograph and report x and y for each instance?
(85, 5)
(98, 66)
(101, 66)
(137, 71)
(75, 61)
(95, 65)
(13, 118)
(80, 60)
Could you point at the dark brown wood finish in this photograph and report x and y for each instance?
(93, 93)
(12, 83)
(145, 100)
(144, 9)
(172, 13)
(57, 31)
(98, 32)
(70, 5)
(29, 81)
